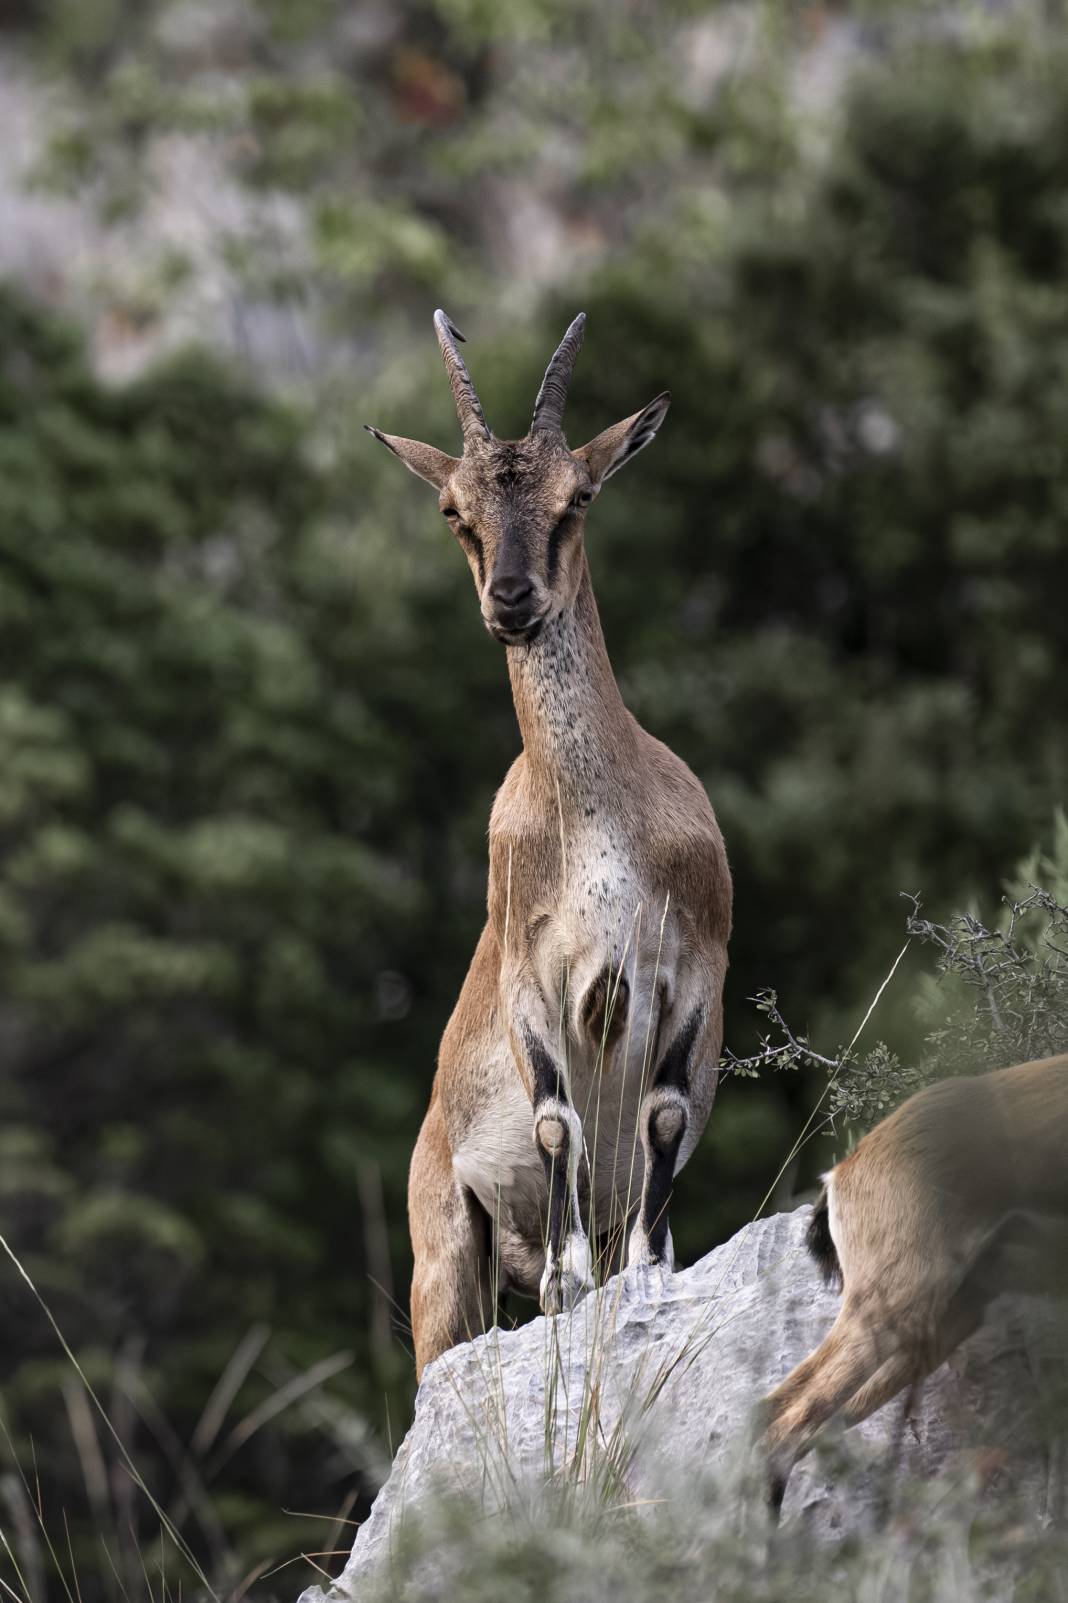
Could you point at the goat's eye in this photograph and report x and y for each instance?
(458, 525)
(582, 499)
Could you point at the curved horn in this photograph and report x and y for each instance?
(468, 406)
(549, 407)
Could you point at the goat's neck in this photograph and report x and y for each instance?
(578, 736)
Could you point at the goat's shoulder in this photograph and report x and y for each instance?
(681, 837)
(512, 813)
(672, 790)
(524, 849)
(476, 1005)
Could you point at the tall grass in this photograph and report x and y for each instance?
(125, 1543)
(577, 1530)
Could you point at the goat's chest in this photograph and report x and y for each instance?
(602, 949)
(603, 884)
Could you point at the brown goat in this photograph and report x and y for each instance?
(579, 1066)
(960, 1194)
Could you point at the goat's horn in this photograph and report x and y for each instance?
(468, 405)
(549, 407)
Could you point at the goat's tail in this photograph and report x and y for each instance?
(820, 1242)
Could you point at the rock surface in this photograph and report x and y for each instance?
(705, 1344)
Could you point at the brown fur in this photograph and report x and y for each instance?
(579, 1066)
(960, 1194)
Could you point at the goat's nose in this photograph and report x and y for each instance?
(511, 589)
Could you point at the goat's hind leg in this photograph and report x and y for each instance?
(452, 1283)
(847, 1358)
(856, 1371)
(913, 1362)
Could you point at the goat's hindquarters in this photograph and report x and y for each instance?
(452, 1293)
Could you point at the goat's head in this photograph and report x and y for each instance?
(518, 507)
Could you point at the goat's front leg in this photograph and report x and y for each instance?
(568, 1272)
(683, 1079)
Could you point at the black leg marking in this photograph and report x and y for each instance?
(554, 1143)
(667, 1126)
(552, 1135)
(548, 1080)
(674, 1069)
(667, 1111)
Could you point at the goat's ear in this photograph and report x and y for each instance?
(426, 461)
(605, 454)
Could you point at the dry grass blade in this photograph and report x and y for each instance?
(70, 1555)
(87, 1446)
(226, 1389)
(21, 1488)
(195, 1497)
(257, 1573)
(114, 1570)
(9, 1590)
(345, 1427)
(306, 1514)
(278, 1402)
(25, 1538)
(176, 1537)
(341, 1519)
(306, 1558)
(149, 1591)
(309, 1559)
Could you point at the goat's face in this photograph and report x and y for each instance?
(518, 507)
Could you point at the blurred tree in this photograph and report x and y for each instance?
(207, 869)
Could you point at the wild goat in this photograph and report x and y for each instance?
(960, 1194)
(594, 997)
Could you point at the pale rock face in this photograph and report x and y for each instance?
(723, 1333)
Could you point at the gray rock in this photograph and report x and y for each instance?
(678, 1360)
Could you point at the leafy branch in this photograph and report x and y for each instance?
(790, 1051)
(1000, 996)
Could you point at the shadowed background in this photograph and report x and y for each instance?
(251, 724)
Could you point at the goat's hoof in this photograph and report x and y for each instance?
(641, 1254)
(565, 1282)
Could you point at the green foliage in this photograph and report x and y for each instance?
(865, 1090)
(194, 928)
(999, 995)
(1015, 978)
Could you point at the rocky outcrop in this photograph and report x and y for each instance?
(675, 1362)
